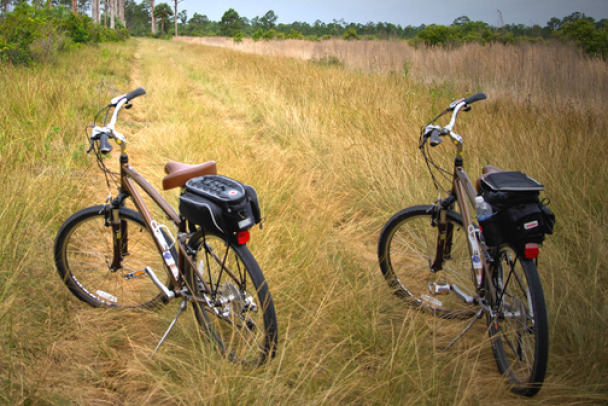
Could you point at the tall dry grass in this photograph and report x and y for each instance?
(532, 73)
(332, 153)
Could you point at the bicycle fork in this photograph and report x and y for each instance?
(120, 237)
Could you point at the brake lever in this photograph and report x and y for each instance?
(92, 146)
(94, 136)
(433, 132)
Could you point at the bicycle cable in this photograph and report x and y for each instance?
(430, 163)
(108, 174)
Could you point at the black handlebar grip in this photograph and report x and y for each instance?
(137, 92)
(475, 97)
(435, 138)
(104, 144)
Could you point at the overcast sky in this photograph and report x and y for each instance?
(403, 12)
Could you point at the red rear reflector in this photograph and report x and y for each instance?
(242, 237)
(531, 250)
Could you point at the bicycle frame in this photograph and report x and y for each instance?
(462, 192)
(129, 178)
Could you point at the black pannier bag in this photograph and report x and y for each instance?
(220, 204)
(520, 217)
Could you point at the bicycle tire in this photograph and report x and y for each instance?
(406, 250)
(519, 333)
(236, 333)
(83, 252)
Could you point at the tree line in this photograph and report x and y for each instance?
(97, 19)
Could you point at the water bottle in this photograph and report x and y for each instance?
(483, 209)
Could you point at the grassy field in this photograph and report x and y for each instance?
(332, 152)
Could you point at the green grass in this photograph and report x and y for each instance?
(333, 154)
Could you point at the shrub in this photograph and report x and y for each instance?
(351, 33)
(18, 30)
(434, 35)
(270, 34)
(293, 34)
(328, 60)
(29, 35)
(257, 35)
(51, 42)
(77, 27)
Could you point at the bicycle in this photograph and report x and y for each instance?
(438, 259)
(108, 255)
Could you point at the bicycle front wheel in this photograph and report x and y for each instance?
(519, 331)
(237, 313)
(407, 250)
(84, 253)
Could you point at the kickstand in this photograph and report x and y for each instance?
(182, 307)
(475, 318)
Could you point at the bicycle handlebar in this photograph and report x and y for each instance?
(104, 144)
(467, 101)
(129, 96)
(140, 91)
(103, 134)
(435, 132)
(475, 97)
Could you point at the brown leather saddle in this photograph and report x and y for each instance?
(179, 173)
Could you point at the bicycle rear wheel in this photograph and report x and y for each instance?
(84, 251)
(519, 331)
(406, 251)
(238, 314)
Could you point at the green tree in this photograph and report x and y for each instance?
(584, 33)
(461, 20)
(4, 4)
(198, 25)
(230, 24)
(474, 31)
(268, 21)
(137, 17)
(182, 16)
(554, 24)
(575, 17)
(434, 35)
(163, 13)
(603, 23)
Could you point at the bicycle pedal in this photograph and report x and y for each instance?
(439, 288)
(135, 274)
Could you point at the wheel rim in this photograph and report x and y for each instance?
(514, 329)
(239, 330)
(88, 255)
(410, 253)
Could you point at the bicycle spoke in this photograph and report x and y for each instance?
(236, 319)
